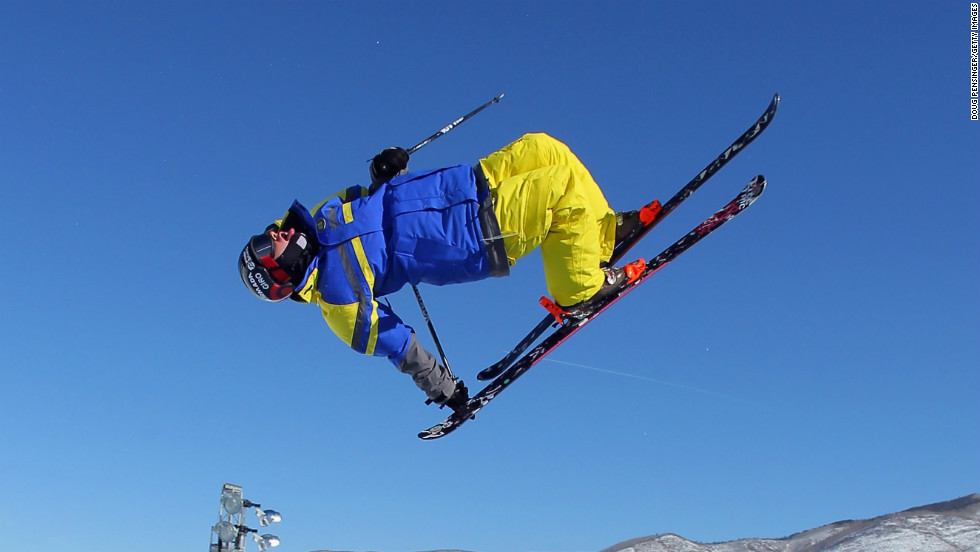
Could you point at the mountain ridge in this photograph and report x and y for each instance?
(949, 526)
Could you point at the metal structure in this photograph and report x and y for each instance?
(229, 534)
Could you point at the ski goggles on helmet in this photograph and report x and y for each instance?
(260, 272)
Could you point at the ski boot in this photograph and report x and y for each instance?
(616, 278)
(459, 398)
(627, 223)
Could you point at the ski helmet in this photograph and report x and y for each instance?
(262, 275)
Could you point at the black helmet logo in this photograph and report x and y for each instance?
(260, 273)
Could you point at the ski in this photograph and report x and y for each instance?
(570, 325)
(651, 215)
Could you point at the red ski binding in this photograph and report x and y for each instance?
(555, 310)
(634, 269)
(649, 212)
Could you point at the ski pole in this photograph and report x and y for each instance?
(432, 330)
(453, 125)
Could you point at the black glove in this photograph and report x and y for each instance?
(459, 398)
(387, 164)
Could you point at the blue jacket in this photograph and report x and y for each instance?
(420, 227)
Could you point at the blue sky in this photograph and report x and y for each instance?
(814, 360)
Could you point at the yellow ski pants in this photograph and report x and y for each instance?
(546, 197)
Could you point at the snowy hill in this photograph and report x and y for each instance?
(952, 526)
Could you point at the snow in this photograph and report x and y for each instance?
(952, 526)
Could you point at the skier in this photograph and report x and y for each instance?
(445, 226)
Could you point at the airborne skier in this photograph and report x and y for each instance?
(446, 226)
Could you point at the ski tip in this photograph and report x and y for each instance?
(435, 431)
(773, 107)
(429, 435)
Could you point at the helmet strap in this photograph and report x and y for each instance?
(296, 257)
